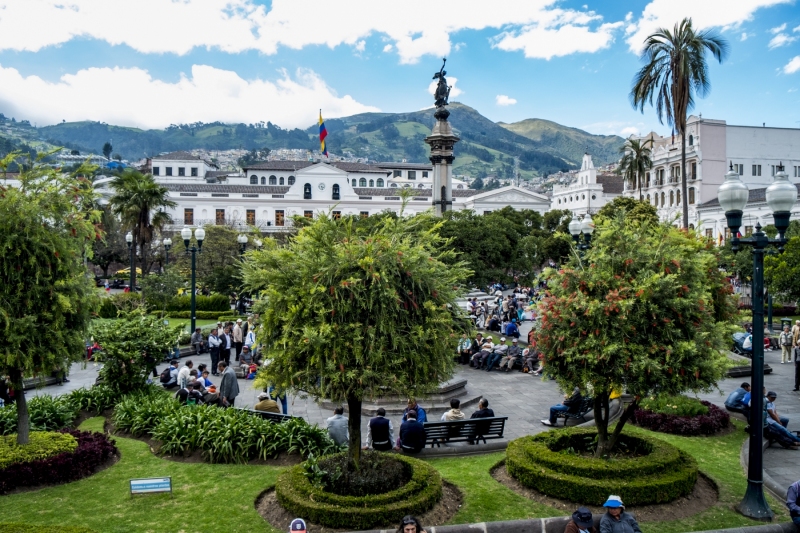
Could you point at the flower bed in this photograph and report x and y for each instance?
(702, 424)
(93, 450)
(41, 445)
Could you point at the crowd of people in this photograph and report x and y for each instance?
(481, 353)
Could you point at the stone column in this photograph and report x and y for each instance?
(441, 141)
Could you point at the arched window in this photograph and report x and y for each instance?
(273, 180)
(263, 180)
(678, 196)
(253, 180)
(306, 191)
(371, 183)
(291, 180)
(280, 180)
(335, 190)
(362, 182)
(691, 140)
(559, 200)
(691, 196)
(354, 182)
(663, 200)
(671, 198)
(393, 185)
(647, 179)
(421, 186)
(648, 198)
(583, 197)
(457, 186)
(380, 182)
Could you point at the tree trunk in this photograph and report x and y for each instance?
(684, 196)
(105, 271)
(606, 443)
(354, 428)
(23, 420)
(639, 181)
(601, 419)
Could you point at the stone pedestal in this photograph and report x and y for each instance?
(441, 140)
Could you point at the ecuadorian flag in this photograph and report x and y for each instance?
(322, 134)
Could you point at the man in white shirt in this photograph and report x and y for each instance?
(183, 375)
(238, 337)
(213, 348)
(454, 413)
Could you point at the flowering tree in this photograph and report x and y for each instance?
(646, 311)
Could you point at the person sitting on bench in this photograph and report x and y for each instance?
(735, 401)
(265, 403)
(412, 434)
(571, 404)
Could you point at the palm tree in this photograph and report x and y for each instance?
(140, 202)
(635, 161)
(674, 72)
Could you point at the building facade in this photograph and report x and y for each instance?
(589, 193)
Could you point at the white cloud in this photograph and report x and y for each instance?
(723, 14)
(796, 29)
(627, 132)
(208, 95)
(361, 46)
(781, 40)
(388, 48)
(792, 66)
(744, 36)
(614, 127)
(503, 100)
(178, 26)
(778, 29)
(545, 43)
(451, 81)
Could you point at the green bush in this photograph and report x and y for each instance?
(139, 413)
(40, 446)
(297, 495)
(229, 318)
(215, 302)
(674, 405)
(201, 315)
(97, 398)
(123, 301)
(543, 462)
(47, 413)
(29, 528)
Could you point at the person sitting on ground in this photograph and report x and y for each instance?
(337, 427)
(265, 403)
(454, 413)
(734, 401)
(582, 522)
(183, 375)
(569, 405)
(410, 524)
(616, 520)
(512, 330)
(198, 341)
(204, 379)
(498, 353)
(412, 434)
(419, 413)
(171, 375)
(512, 355)
(777, 424)
(482, 412)
(210, 396)
(380, 433)
(190, 395)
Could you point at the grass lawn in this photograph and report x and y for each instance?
(188, 322)
(221, 497)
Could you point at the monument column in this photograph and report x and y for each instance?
(441, 140)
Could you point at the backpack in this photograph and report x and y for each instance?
(166, 376)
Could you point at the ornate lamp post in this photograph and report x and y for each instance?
(131, 250)
(199, 235)
(733, 196)
(167, 246)
(584, 227)
(242, 240)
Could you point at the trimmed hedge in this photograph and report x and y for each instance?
(297, 495)
(717, 419)
(40, 446)
(215, 302)
(29, 528)
(93, 450)
(201, 315)
(662, 475)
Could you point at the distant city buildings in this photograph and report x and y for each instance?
(589, 192)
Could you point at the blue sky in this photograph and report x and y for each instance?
(150, 63)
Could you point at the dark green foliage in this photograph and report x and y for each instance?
(124, 302)
(548, 462)
(674, 405)
(637, 211)
(708, 423)
(215, 302)
(41, 446)
(160, 290)
(298, 496)
(202, 315)
(27, 528)
(95, 399)
(46, 413)
(377, 473)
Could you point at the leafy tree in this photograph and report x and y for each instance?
(350, 315)
(781, 271)
(218, 264)
(117, 157)
(634, 210)
(111, 248)
(477, 184)
(46, 298)
(161, 289)
(635, 161)
(107, 149)
(645, 311)
(674, 72)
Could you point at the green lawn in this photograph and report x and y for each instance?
(188, 322)
(221, 497)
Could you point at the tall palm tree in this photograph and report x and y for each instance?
(140, 202)
(635, 161)
(674, 72)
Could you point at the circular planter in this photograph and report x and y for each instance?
(659, 474)
(716, 420)
(297, 495)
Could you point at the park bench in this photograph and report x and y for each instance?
(276, 418)
(39, 381)
(469, 430)
(587, 404)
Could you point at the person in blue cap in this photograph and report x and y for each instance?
(298, 525)
(616, 520)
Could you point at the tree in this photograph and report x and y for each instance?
(160, 290)
(350, 314)
(107, 149)
(634, 210)
(635, 161)
(674, 72)
(218, 265)
(781, 271)
(139, 202)
(646, 311)
(117, 157)
(46, 298)
(111, 248)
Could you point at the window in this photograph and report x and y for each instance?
(194, 172)
(364, 214)
(253, 180)
(756, 170)
(691, 195)
(397, 174)
(671, 198)
(337, 215)
(412, 174)
(393, 185)
(308, 214)
(421, 186)
(748, 230)
(691, 140)
(380, 181)
(220, 218)
(362, 182)
(290, 181)
(307, 191)
(335, 190)
(156, 171)
(663, 199)
(709, 233)
(797, 172)
(570, 198)
(250, 217)
(263, 180)
(648, 198)
(355, 183)
(371, 183)
(273, 180)
(647, 179)
(182, 171)
(424, 173)
(583, 197)
(773, 170)
(655, 199)
(188, 217)
(727, 233)
(594, 197)
(694, 170)
(678, 196)
(738, 168)
(168, 171)
(280, 180)
(279, 217)
(486, 212)
(559, 201)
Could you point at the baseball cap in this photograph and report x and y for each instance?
(502, 339)
(298, 525)
(514, 340)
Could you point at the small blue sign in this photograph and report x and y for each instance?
(151, 485)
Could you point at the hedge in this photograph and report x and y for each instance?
(661, 476)
(215, 302)
(110, 305)
(29, 528)
(42, 444)
(716, 420)
(93, 450)
(202, 315)
(299, 497)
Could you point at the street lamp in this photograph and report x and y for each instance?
(733, 196)
(167, 246)
(242, 240)
(199, 235)
(585, 227)
(129, 240)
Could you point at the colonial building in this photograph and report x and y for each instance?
(589, 193)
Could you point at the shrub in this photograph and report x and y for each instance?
(674, 405)
(97, 398)
(47, 413)
(376, 474)
(702, 424)
(29, 528)
(140, 412)
(297, 495)
(41, 446)
(544, 462)
(93, 450)
(215, 302)
(201, 315)
(123, 301)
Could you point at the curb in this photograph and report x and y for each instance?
(462, 451)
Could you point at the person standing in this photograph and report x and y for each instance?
(786, 341)
(225, 345)
(380, 433)
(337, 427)
(229, 386)
(213, 349)
(796, 333)
(238, 337)
(464, 350)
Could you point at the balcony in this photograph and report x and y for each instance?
(263, 225)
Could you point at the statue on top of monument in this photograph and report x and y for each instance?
(442, 90)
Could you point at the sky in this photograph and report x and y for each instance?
(151, 63)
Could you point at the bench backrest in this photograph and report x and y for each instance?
(587, 404)
(272, 417)
(465, 428)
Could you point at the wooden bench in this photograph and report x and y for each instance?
(276, 418)
(587, 404)
(40, 381)
(469, 430)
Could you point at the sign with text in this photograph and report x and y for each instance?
(151, 485)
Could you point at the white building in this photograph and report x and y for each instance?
(589, 193)
(710, 147)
